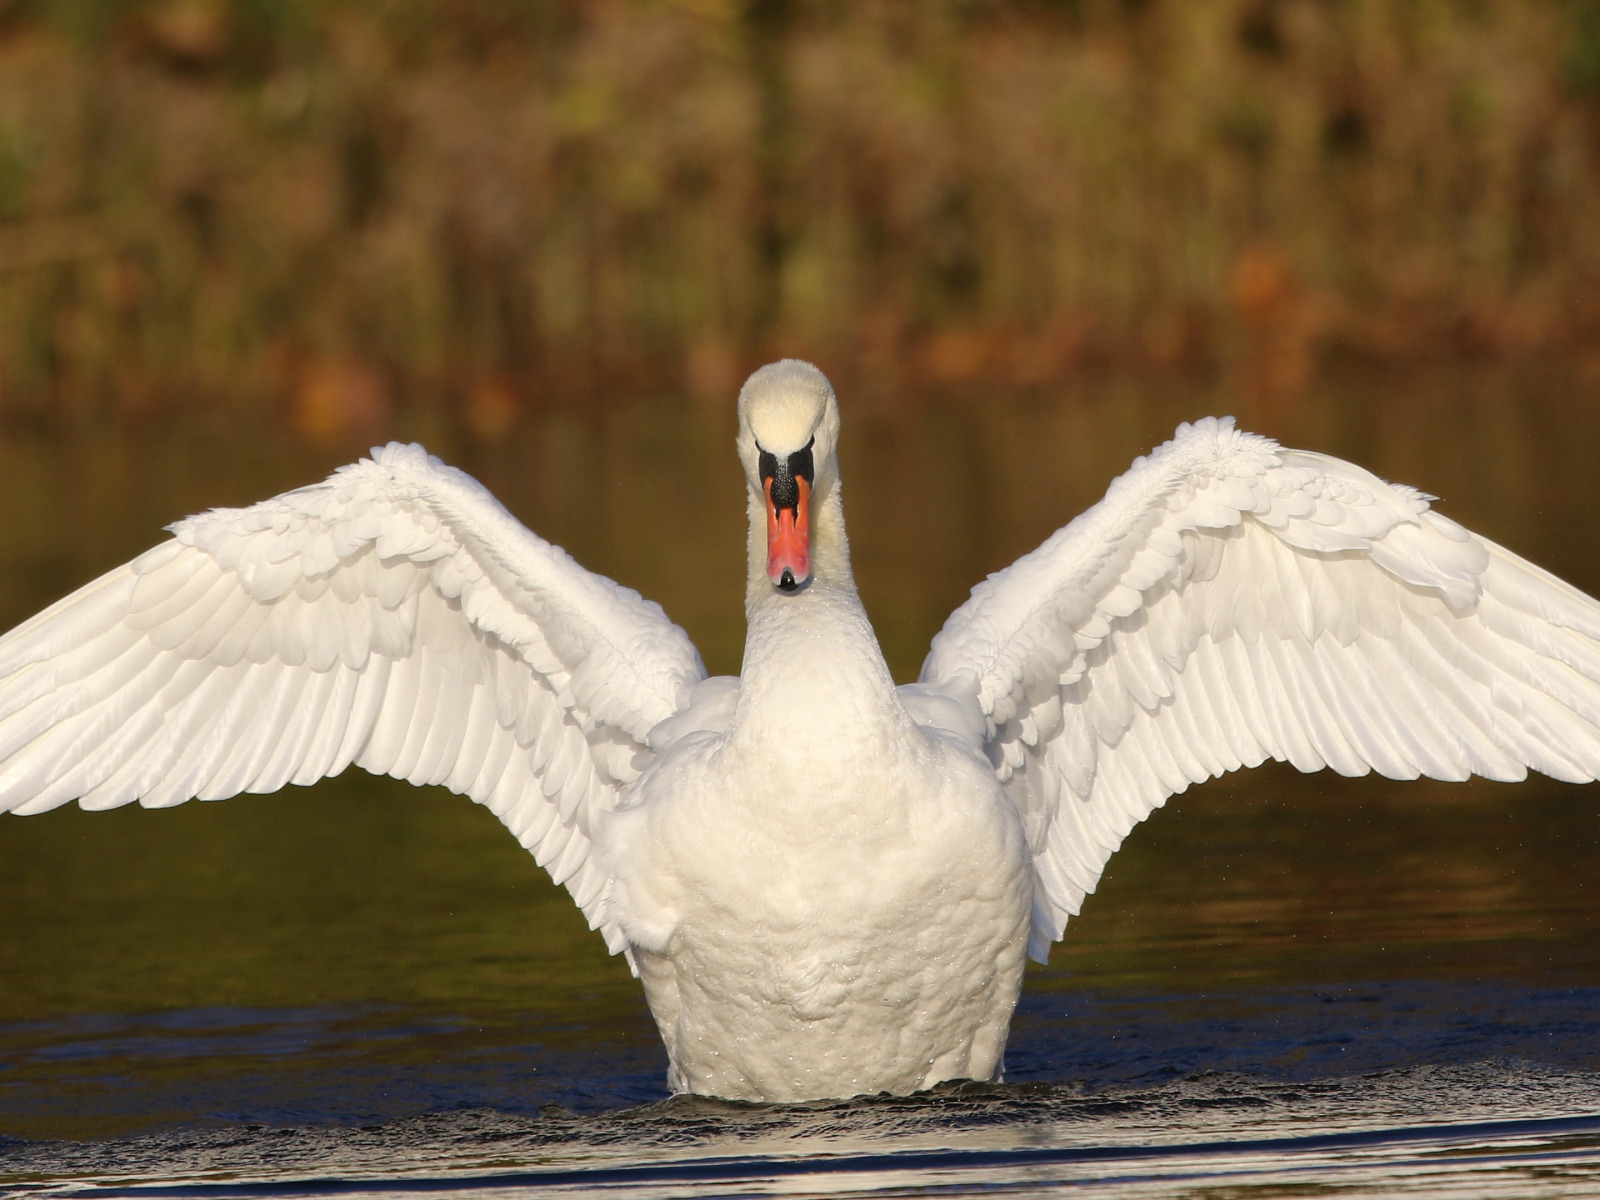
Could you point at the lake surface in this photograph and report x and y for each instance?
(1285, 985)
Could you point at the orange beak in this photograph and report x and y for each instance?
(789, 539)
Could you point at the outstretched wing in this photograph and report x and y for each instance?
(394, 616)
(1230, 601)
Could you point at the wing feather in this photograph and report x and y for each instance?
(394, 616)
(1231, 601)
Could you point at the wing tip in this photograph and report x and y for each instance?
(402, 454)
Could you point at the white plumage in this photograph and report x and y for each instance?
(1230, 601)
(825, 883)
(395, 617)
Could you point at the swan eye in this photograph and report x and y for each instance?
(801, 465)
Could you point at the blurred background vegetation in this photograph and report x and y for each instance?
(329, 212)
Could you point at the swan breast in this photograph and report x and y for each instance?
(807, 930)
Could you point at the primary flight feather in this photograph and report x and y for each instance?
(826, 884)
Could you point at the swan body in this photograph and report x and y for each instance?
(826, 884)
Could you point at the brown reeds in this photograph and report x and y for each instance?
(329, 210)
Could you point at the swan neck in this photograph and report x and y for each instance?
(812, 664)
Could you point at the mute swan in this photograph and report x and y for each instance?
(826, 884)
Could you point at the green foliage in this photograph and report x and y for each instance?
(207, 202)
(1583, 55)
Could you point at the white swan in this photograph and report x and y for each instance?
(826, 884)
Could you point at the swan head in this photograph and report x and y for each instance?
(788, 433)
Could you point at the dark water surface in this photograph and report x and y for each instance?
(1285, 985)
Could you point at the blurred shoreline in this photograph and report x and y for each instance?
(326, 214)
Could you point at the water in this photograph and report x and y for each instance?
(1285, 985)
